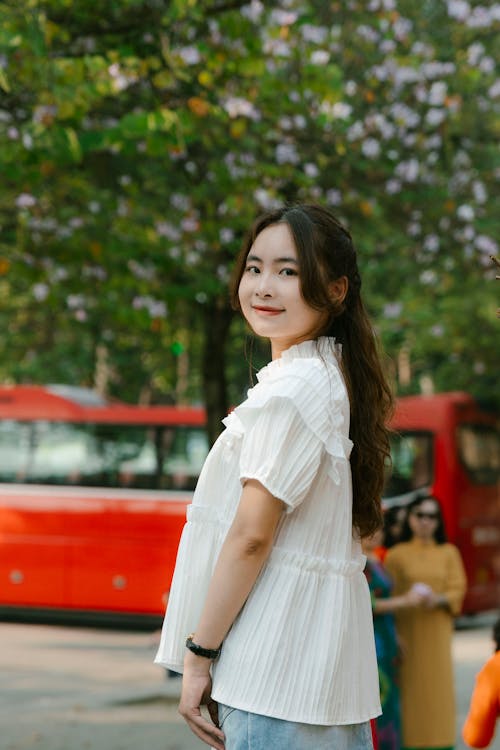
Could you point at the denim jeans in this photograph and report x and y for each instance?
(246, 731)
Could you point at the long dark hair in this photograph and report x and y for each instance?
(326, 252)
(439, 532)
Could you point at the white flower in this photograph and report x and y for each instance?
(320, 57)
(356, 131)
(334, 197)
(428, 277)
(487, 65)
(392, 187)
(392, 310)
(253, 10)
(265, 199)
(458, 9)
(474, 53)
(165, 229)
(408, 170)
(414, 228)
(190, 224)
(465, 212)
(27, 141)
(479, 192)
(437, 330)
(201, 298)
(25, 200)
(286, 153)
(13, 133)
(226, 235)
(367, 33)
(75, 301)
(370, 148)
(311, 170)
(283, 17)
(40, 291)
(437, 93)
(494, 90)
(315, 34)
(435, 116)
(236, 106)
(351, 87)
(479, 368)
(486, 244)
(190, 55)
(431, 243)
(94, 207)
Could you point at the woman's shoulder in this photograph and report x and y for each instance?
(290, 376)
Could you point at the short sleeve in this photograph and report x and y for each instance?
(280, 450)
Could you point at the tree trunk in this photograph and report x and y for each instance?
(217, 319)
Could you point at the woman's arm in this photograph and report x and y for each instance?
(246, 548)
(396, 603)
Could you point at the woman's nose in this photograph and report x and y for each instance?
(264, 285)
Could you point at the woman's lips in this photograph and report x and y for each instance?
(267, 310)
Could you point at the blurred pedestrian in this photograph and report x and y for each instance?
(484, 710)
(384, 605)
(394, 519)
(424, 560)
(269, 575)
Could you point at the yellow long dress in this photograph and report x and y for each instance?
(427, 688)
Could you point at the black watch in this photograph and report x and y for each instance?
(208, 653)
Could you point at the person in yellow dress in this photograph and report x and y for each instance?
(424, 560)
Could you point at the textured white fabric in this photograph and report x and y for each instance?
(302, 648)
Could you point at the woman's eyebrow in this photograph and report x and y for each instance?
(286, 259)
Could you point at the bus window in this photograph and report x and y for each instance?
(15, 440)
(479, 450)
(62, 453)
(183, 462)
(102, 455)
(412, 465)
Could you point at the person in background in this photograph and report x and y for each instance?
(393, 525)
(269, 614)
(394, 520)
(425, 561)
(479, 727)
(384, 605)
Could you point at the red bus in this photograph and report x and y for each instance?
(93, 497)
(92, 503)
(446, 445)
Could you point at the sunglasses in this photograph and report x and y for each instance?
(430, 516)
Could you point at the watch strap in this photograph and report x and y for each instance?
(208, 653)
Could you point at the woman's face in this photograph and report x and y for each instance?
(424, 520)
(270, 294)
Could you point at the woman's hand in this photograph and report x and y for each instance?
(196, 692)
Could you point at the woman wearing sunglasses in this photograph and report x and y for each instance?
(423, 559)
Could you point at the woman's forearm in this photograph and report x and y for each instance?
(234, 576)
(245, 550)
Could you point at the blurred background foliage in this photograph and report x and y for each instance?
(139, 139)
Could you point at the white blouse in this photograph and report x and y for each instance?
(302, 648)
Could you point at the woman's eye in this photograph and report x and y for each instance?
(252, 269)
(288, 272)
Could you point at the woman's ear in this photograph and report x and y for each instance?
(338, 289)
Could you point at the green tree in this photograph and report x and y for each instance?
(140, 139)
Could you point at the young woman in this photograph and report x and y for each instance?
(269, 615)
(425, 561)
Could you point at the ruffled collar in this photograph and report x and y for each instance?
(325, 347)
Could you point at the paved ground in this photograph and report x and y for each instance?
(85, 689)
